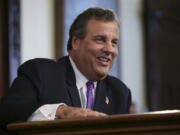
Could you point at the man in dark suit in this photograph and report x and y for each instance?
(47, 89)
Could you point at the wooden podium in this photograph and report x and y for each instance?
(159, 123)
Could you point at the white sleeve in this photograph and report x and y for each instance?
(45, 112)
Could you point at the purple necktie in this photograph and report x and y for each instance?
(90, 98)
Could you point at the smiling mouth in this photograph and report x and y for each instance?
(103, 60)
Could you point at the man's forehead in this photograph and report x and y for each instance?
(97, 24)
(102, 28)
(105, 36)
(105, 33)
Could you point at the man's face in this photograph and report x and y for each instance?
(95, 54)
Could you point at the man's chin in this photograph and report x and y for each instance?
(101, 76)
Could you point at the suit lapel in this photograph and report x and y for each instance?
(103, 98)
(71, 85)
(73, 92)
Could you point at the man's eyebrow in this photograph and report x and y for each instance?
(117, 39)
(104, 36)
(99, 36)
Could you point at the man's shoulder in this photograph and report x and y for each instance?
(44, 62)
(41, 65)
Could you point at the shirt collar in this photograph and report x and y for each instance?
(80, 78)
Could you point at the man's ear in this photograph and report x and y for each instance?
(75, 42)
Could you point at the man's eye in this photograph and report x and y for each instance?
(115, 42)
(99, 39)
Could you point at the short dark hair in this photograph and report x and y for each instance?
(78, 27)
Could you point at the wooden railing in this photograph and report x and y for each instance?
(161, 123)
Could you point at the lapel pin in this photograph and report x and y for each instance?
(107, 100)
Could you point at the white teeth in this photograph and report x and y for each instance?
(103, 59)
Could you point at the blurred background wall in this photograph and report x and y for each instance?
(149, 49)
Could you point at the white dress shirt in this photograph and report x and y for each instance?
(48, 111)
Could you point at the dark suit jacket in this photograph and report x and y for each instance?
(44, 81)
